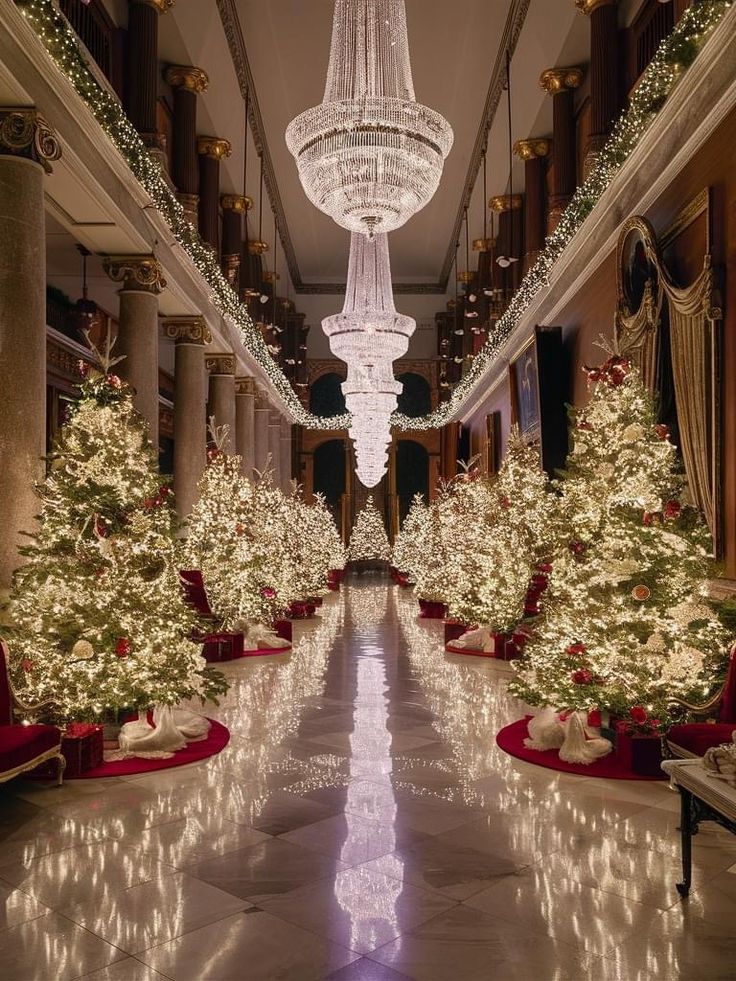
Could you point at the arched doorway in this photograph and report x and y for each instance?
(412, 473)
(329, 474)
(325, 395)
(416, 398)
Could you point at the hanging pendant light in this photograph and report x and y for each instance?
(504, 261)
(369, 156)
(86, 312)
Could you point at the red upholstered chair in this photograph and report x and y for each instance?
(692, 739)
(22, 747)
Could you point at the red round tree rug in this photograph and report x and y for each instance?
(511, 740)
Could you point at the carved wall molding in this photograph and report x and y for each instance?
(26, 133)
(214, 147)
(245, 386)
(555, 80)
(187, 77)
(533, 147)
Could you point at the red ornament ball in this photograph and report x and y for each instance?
(577, 547)
(662, 431)
(641, 592)
(268, 593)
(122, 647)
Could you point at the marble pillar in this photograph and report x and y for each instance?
(211, 150)
(285, 448)
(534, 153)
(260, 443)
(561, 83)
(604, 73)
(142, 70)
(186, 82)
(274, 445)
(27, 146)
(190, 335)
(137, 341)
(245, 423)
(221, 398)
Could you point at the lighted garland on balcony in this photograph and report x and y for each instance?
(62, 45)
(675, 54)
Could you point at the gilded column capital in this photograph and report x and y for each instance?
(555, 80)
(256, 246)
(187, 77)
(262, 399)
(588, 6)
(26, 133)
(187, 330)
(529, 149)
(161, 6)
(239, 203)
(245, 386)
(506, 202)
(483, 244)
(142, 273)
(220, 364)
(214, 147)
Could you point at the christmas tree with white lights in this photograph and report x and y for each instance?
(503, 529)
(403, 552)
(223, 543)
(98, 619)
(429, 565)
(627, 624)
(369, 541)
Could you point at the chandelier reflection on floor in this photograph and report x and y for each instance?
(369, 156)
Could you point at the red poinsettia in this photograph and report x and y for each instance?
(575, 650)
(26, 665)
(638, 714)
(672, 510)
(268, 593)
(582, 676)
(577, 547)
(662, 431)
(114, 381)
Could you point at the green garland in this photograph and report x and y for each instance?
(676, 53)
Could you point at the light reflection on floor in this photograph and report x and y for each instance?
(362, 824)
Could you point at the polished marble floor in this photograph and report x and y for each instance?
(361, 825)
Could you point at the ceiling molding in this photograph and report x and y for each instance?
(236, 43)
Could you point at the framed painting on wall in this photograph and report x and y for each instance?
(538, 391)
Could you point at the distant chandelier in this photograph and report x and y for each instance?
(369, 330)
(370, 156)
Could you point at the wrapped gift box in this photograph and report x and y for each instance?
(455, 629)
(284, 629)
(81, 747)
(432, 611)
(641, 754)
(301, 610)
(222, 647)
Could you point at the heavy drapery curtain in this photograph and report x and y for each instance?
(693, 325)
(637, 334)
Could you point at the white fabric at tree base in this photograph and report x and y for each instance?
(480, 639)
(172, 729)
(260, 637)
(545, 730)
(583, 744)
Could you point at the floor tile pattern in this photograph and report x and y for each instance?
(361, 825)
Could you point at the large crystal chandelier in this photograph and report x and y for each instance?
(370, 155)
(369, 335)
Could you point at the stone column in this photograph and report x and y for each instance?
(604, 92)
(509, 241)
(142, 69)
(245, 423)
(274, 444)
(190, 335)
(221, 399)
(534, 153)
(234, 206)
(260, 442)
(285, 448)
(211, 150)
(137, 341)
(27, 145)
(561, 83)
(187, 82)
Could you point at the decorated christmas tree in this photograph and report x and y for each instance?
(369, 541)
(626, 624)
(98, 620)
(503, 529)
(404, 551)
(225, 544)
(429, 564)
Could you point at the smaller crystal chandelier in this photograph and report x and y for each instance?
(369, 156)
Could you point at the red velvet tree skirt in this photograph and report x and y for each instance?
(263, 651)
(217, 739)
(511, 741)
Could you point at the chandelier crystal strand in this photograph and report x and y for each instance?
(369, 156)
